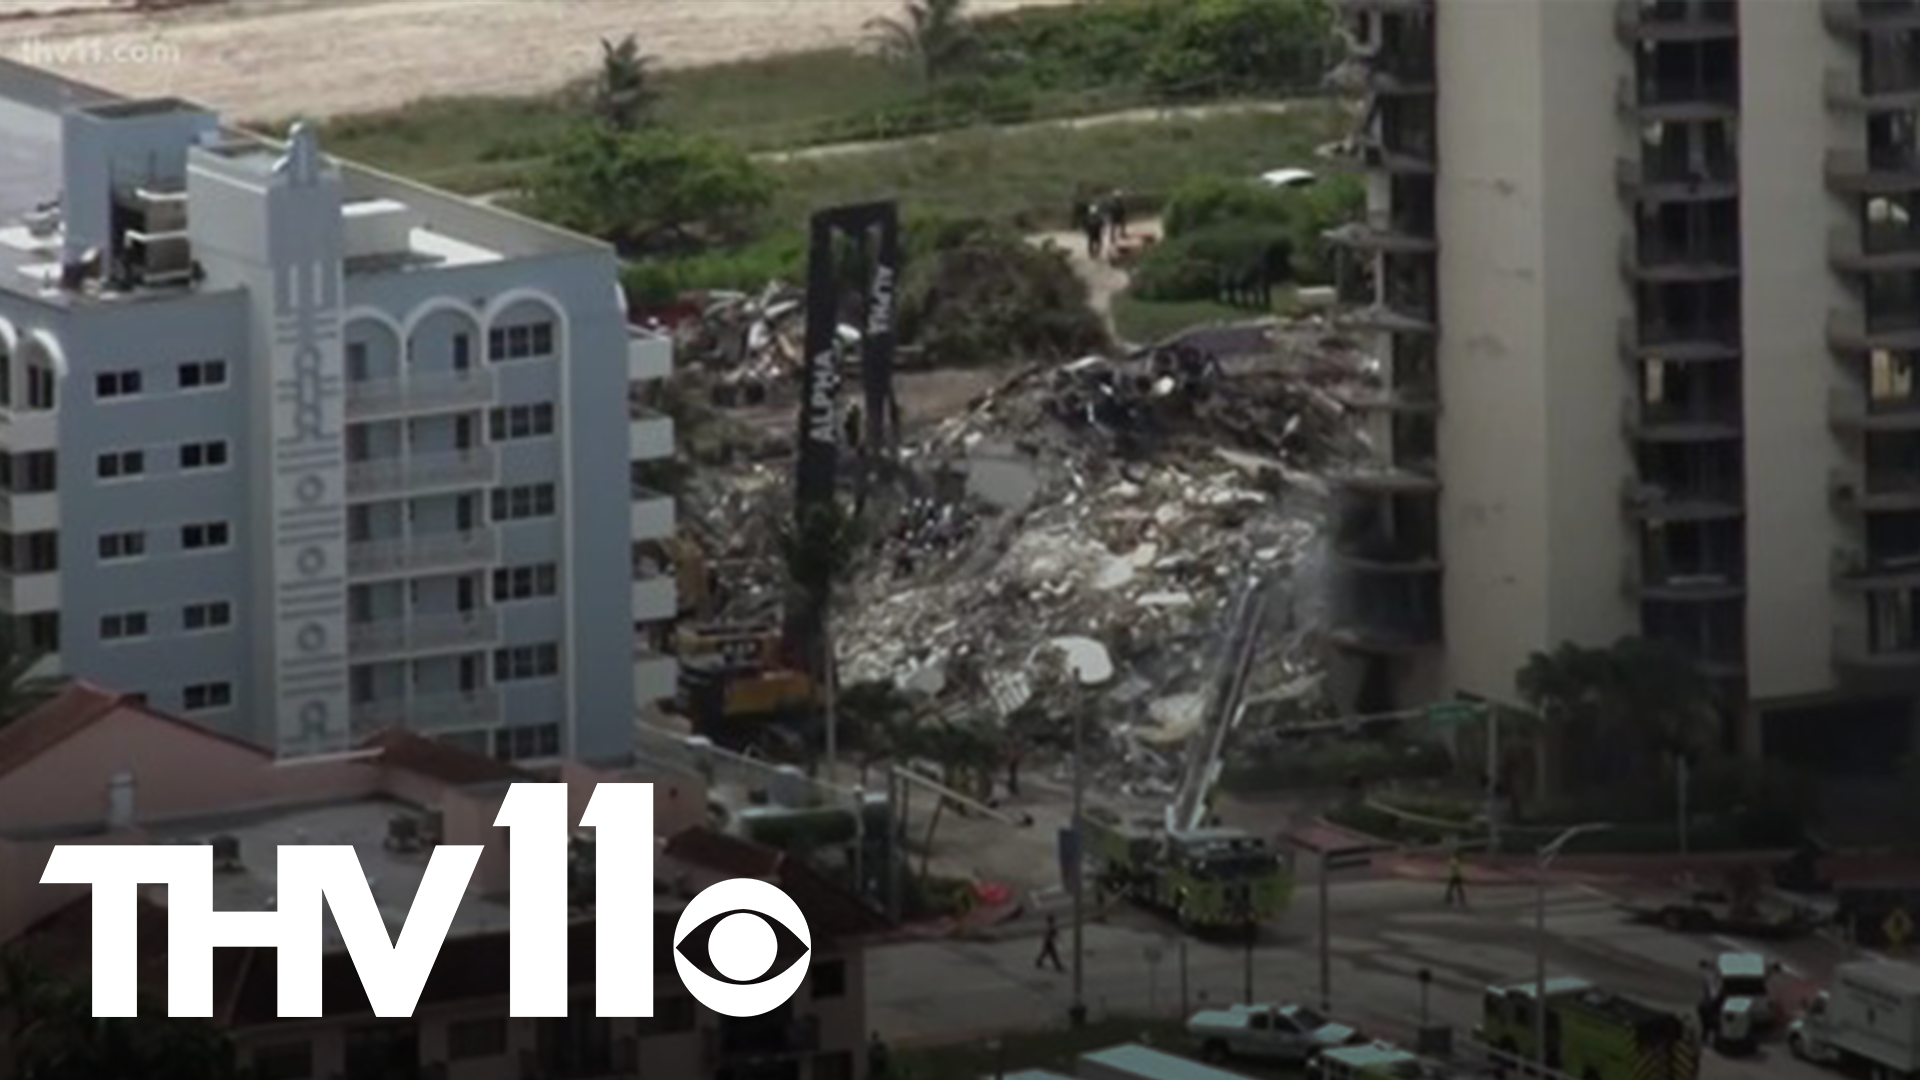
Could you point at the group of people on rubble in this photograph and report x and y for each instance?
(1104, 221)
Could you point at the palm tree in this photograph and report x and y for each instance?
(51, 1034)
(932, 35)
(1620, 708)
(623, 96)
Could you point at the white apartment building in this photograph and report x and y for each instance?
(306, 451)
(1646, 278)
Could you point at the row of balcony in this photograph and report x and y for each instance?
(1676, 101)
(1635, 21)
(1708, 422)
(429, 552)
(1678, 178)
(1655, 262)
(451, 632)
(1679, 342)
(415, 474)
(414, 394)
(453, 710)
(1852, 18)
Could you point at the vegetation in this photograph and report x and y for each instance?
(1052, 62)
(1054, 1049)
(653, 190)
(623, 93)
(1334, 764)
(979, 295)
(934, 36)
(51, 1034)
(1223, 228)
(20, 689)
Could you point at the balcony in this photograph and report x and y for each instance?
(1641, 260)
(1679, 343)
(1637, 20)
(649, 355)
(1402, 399)
(1855, 570)
(1668, 423)
(29, 511)
(1387, 318)
(1372, 554)
(1653, 100)
(1387, 7)
(652, 513)
(24, 430)
(1645, 500)
(29, 593)
(1381, 231)
(1857, 490)
(452, 632)
(1678, 585)
(450, 711)
(649, 435)
(1382, 478)
(1851, 410)
(415, 474)
(1845, 93)
(656, 598)
(1369, 153)
(1882, 172)
(433, 552)
(1852, 18)
(1387, 73)
(1660, 182)
(1873, 250)
(411, 395)
(1851, 332)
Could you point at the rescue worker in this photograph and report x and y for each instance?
(1456, 880)
(1050, 947)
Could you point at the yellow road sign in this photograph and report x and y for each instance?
(1898, 927)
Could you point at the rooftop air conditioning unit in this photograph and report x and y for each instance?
(226, 854)
(403, 833)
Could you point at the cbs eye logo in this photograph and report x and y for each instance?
(741, 947)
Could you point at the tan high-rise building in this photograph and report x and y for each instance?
(1646, 286)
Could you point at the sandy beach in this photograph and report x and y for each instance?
(269, 59)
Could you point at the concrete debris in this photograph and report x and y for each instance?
(1116, 503)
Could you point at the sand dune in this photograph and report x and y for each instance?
(277, 58)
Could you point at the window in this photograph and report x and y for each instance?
(203, 455)
(462, 352)
(116, 384)
(203, 697)
(525, 582)
(356, 361)
(521, 422)
(527, 341)
(115, 546)
(283, 1061)
(41, 632)
(523, 502)
(203, 374)
(40, 385)
(829, 979)
(120, 464)
(211, 615)
(526, 662)
(476, 1038)
(123, 626)
(204, 536)
(527, 743)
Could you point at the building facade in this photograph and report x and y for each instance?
(291, 441)
(1644, 280)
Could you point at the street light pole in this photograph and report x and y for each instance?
(1326, 935)
(1252, 931)
(1546, 856)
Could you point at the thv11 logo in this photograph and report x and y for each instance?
(728, 941)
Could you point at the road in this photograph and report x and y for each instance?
(1385, 930)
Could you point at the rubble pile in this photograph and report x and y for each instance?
(1116, 505)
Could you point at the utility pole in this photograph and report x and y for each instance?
(1077, 1012)
(1326, 935)
(1493, 779)
(1253, 931)
(1681, 780)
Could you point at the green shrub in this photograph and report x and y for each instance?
(1332, 764)
(1207, 201)
(1239, 45)
(652, 190)
(980, 295)
(1196, 265)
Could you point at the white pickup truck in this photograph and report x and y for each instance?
(1291, 1033)
(1867, 1022)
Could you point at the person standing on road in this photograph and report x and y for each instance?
(1095, 224)
(1456, 880)
(1050, 947)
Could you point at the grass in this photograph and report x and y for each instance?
(1032, 178)
(1054, 1049)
